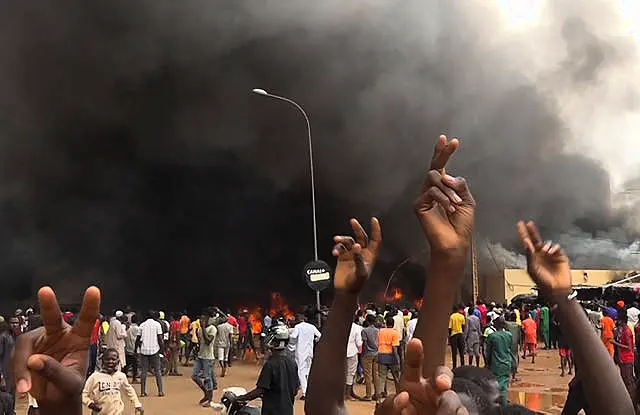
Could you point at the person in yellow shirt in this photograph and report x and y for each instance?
(456, 334)
(193, 344)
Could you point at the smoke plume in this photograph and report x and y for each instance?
(132, 154)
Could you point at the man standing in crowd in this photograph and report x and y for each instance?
(193, 344)
(115, 337)
(93, 347)
(304, 335)
(498, 356)
(204, 362)
(173, 344)
(354, 345)
(411, 325)
(530, 331)
(184, 333)
(151, 344)
(399, 326)
(483, 312)
(456, 334)
(130, 348)
(223, 342)
(624, 343)
(370, 357)
(566, 358)
(243, 324)
(607, 326)
(472, 334)
(544, 322)
(516, 334)
(388, 360)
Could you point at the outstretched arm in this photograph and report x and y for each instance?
(548, 266)
(325, 394)
(445, 210)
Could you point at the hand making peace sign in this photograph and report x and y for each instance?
(547, 263)
(356, 257)
(50, 362)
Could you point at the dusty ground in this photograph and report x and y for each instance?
(541, 388)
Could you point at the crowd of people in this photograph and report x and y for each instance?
(65, 362)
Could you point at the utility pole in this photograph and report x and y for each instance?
(474, 269)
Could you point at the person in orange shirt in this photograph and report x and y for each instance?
(530, 330)
(388, 359)
(185, 321)
(607, 325)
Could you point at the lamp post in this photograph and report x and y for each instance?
(264, 93)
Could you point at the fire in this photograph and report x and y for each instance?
(395, 295)
(256, 314)
(255, 318)
(418, 303)
(279, 306)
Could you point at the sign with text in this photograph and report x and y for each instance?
(317, 274)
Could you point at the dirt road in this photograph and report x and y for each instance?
(541, 388)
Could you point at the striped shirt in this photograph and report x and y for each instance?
(149, 331)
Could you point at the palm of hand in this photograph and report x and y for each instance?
(50, 362)
(66, 347)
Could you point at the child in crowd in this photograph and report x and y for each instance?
(102, 390)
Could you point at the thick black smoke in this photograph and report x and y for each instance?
(132, 154)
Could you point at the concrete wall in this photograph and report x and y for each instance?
(517, 281)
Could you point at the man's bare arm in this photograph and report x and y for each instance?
(356, 257)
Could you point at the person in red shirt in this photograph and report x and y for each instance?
(174, 326)
(174, 345)
(93, 347)
(624, 343)
(483, 312)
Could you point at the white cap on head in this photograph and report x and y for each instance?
(119, 313)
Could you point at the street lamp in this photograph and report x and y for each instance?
(264, 93)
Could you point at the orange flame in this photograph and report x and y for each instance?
(395, 295)
(255, 319)
(418, 303)
(279, 306)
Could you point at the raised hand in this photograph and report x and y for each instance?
(446, 209)
(356, 257)
(419, 395)
(442, 151)
(51, 362)
(547, 263)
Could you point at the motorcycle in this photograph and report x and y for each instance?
(234, 407)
